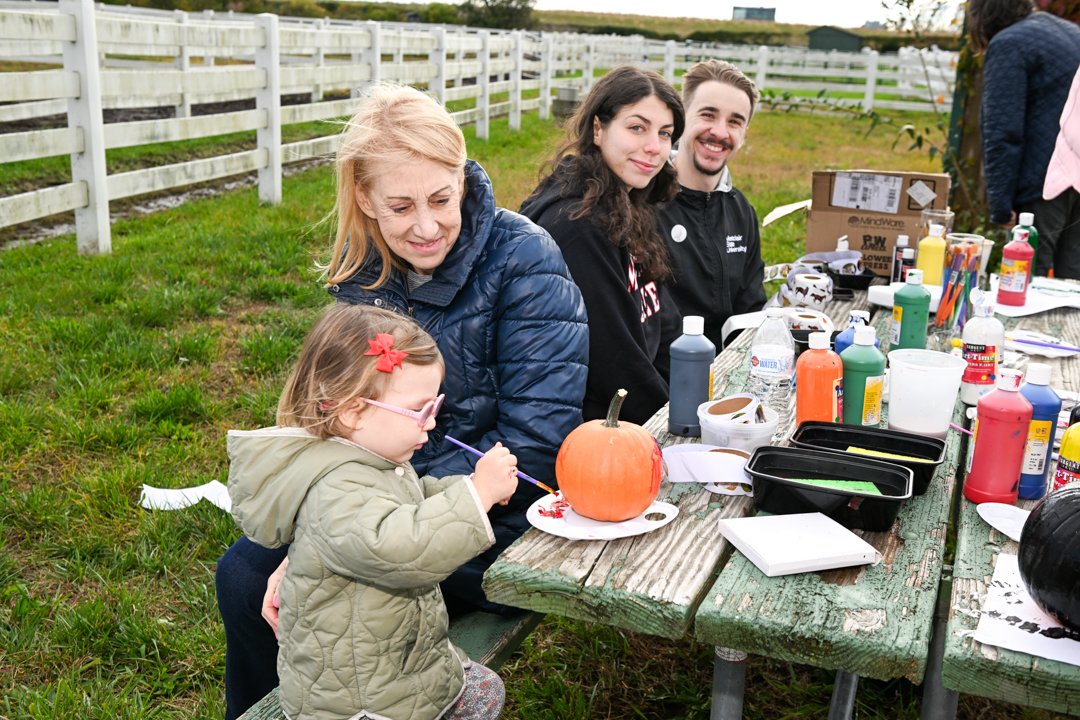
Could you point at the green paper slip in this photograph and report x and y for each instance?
(862, 486)
(880, 454)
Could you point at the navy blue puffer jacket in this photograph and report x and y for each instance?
(512, 329)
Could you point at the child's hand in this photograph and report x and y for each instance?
(495, 477)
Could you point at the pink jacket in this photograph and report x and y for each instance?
(1064, 169)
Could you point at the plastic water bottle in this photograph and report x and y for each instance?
(847, 336)
(1046, 406)
(1001, 430)
(911, 313)
(690, 379)
(772, 361)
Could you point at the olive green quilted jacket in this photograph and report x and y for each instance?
(363, 626)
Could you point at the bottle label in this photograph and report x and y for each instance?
(1068, 471)
(871, 408)
(897, 319)
(838, 400)
(1014, 274)
(971, 446)
(1037, 443)
(981, 364)
(775, 365)
(710, 388)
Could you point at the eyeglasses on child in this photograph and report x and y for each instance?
(421, 416)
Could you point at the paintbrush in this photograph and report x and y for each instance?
(477, 453)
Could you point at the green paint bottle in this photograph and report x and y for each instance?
(864, 379)
(911, 313)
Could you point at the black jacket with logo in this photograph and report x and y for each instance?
(632, 319)
(718, 270)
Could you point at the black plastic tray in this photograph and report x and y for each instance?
(859, 281)
(775, 469)
(831, 436)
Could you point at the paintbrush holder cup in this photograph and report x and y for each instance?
(971, 245)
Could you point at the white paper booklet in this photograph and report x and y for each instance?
(804, 542)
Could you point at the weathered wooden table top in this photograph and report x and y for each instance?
(650, 583)
(970, 666)
(873, 621)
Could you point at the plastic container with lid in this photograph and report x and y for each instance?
(864, 379)
(819, 382)
(1001, 431)
(1015, 275)
(983, 345)
(911, 313)
(690, 377)
(896, 273)
(1046, 406)
(931, 259)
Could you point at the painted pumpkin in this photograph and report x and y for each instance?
(1049, 556)
(609, 470)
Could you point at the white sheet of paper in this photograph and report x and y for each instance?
(1011, 619)
(1044, 294)
(153, 498)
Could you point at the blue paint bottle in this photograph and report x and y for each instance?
(1046, 405)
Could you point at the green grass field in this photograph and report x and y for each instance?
(130, 368)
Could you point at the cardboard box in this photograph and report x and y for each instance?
(871, 207)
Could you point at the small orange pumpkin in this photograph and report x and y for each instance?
(609, 470)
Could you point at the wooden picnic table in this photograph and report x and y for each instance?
(969, 666)
(684, 578)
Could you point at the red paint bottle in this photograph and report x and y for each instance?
(1001, 432)
(1015, 276)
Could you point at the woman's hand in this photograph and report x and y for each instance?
(270, 603)
(495, 477)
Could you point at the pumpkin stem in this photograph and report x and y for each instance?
(614, 408)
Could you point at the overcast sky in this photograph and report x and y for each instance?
(842, 13)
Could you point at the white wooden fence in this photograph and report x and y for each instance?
(110, 57)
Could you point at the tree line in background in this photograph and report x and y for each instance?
(520, 15)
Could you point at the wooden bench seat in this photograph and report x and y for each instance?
(489, 639)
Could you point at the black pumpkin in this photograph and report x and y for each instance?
(1049, 555)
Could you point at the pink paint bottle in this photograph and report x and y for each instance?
(1001, 432)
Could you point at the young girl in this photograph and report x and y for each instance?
(363, 627)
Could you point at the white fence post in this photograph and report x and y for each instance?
(322, 25)
(515, 89)
(209, 58)
(437, 85)
(547, 70)
(183, 64)
(268, 99)
(84, 113)
(590, 64)
(762, 66)
(483, 123)
(669, 61)
(871, 80)
(372, 56)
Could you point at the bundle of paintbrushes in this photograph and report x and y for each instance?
(961, 276)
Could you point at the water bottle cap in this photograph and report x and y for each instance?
(865, 335)
(914, 276)
(901, 241)
(1038, 374)
(693, 325)
(1009, 379)
(908, 254)
(819, 340)
(774, 312)
(1027, 218)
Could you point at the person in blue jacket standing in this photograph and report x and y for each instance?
(1030, 60)
(710, 227)
(418, 232)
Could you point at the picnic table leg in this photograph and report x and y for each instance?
(729, 681)
(843, 695)
(938, 703)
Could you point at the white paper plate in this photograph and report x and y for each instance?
(1006, 519)
(722, 473)
(575, 527)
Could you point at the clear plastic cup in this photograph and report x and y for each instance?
(923, 387)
